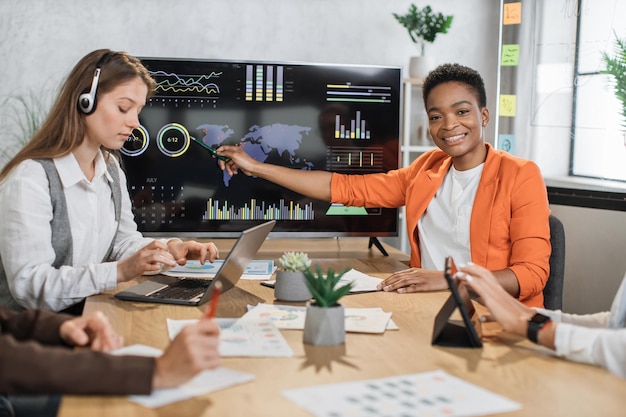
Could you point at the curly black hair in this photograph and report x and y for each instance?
(455, 72)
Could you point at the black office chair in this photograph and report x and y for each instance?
(553, 291)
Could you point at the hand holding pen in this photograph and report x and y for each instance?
(194, 349)
(211, 150)
(217, 290)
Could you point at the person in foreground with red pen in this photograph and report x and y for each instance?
(37, 361)
(598, 339)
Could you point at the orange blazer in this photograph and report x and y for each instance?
(509, 223)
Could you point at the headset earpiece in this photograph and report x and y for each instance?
(87, 100)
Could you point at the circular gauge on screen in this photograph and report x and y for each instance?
(173, 140)
(137, 142)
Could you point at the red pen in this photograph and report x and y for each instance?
(217, 289)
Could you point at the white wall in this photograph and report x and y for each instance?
(40, 40)
(52, 35)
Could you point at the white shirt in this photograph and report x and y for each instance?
(444, 229)
(25, 234)
(598, 339)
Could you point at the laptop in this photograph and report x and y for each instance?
(165, 289)
(452, 333)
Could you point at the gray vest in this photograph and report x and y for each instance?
(60, 225)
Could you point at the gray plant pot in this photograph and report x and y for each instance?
(291, 286)
(324, 326)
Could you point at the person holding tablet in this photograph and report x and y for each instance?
(38, 362)
(67, 230)
(598, 339)
(465, 199)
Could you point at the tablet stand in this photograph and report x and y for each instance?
(453, 333)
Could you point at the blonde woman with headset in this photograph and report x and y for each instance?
(67, 230)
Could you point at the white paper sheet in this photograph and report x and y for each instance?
(426, 394)
(362, 282)
(256, 270)
(254, 338)
(203, 383)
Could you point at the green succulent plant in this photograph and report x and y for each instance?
(294, 261)
(423, 25)
(323, 286)
(615, 65)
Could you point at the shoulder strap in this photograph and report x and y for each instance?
(116, 191)
(60, 223)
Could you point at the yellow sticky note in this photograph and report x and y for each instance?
(507, 105)
(512, 13)
(510, 55)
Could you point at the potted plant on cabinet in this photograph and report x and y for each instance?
(423, 26)
(324, 323)
(615, 65)
(290, 283)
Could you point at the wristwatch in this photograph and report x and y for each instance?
(535, 324)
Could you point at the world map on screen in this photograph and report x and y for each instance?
(260, 141)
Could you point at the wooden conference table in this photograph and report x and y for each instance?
(506, 365)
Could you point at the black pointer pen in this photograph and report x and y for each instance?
(211, 150)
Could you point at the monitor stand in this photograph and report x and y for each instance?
(374, 241)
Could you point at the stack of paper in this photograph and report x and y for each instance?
(358, 320)
(360, 282)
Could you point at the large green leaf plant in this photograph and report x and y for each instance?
(423, 25)
(615, 65)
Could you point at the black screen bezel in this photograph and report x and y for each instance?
(371, 226)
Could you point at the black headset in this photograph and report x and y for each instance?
(87, 100)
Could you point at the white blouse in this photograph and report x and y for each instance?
(598, 339)
(444, 229)
(25, 234)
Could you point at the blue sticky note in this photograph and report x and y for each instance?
(506, 142)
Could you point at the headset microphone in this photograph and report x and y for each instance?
(87, 101)
(136, 142)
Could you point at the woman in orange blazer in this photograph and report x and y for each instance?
(508, 229)
(465, 199)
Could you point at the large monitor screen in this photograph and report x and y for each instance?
(340, 118)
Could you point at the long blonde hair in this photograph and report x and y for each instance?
(64, 128)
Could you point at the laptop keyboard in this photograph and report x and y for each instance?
(185, 289)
